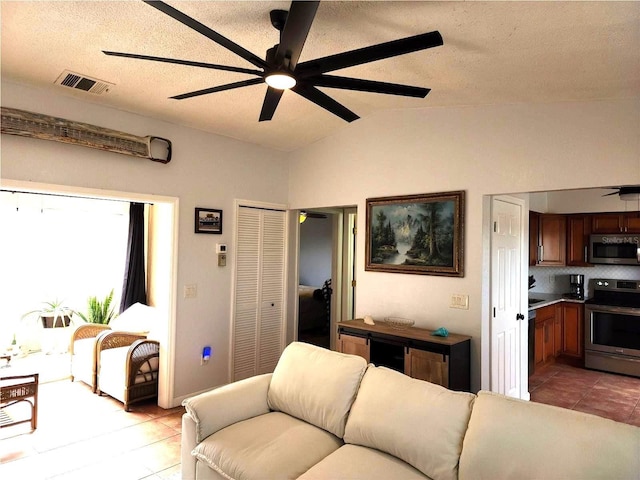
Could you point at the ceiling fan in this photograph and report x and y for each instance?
(626, 193)
(280, 69)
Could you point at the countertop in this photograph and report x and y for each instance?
(549, 299)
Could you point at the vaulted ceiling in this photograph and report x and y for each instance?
(494, 53)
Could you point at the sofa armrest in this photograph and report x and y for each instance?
(187, 444)
(229, 404)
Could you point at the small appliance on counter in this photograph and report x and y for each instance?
(576, 287)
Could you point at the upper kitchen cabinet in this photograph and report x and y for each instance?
(534, 220)
(628, 222)
(578, 231)
(552, 236)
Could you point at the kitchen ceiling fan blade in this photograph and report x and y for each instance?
(346, 83)
(271, 100)
(617, 192)
(316, 96)
(176, 61)
(369, 54)
(295, 31)
(221, 88)
(207, 32)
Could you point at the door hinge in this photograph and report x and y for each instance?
(494, 312)
(355, 230)
(353, 283)
(495, 227)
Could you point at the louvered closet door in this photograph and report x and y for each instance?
(259, 291)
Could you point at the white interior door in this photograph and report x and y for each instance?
(508, 326)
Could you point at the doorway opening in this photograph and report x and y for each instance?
(326, 273)
(161, 271)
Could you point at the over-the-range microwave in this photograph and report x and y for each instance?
(614, 249)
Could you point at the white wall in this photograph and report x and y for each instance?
(316, 249)
(206, 171)
(483, 150)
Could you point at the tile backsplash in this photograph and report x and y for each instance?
(556, 279)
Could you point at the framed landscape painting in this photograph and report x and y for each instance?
(420, 234)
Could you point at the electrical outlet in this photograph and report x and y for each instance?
(552, 279)
(191, 291)
(459, 300)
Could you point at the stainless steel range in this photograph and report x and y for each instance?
(612, 327)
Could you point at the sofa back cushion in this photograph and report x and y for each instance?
(510, 438)
(416, 421)
(316, 385)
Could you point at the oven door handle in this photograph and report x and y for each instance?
(609, 308)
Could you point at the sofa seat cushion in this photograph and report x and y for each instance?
(316, 385)
(510, 438)
(417, 421)
(273, 446)
(353, 462)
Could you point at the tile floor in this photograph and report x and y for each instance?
(604, 394)
(81, 435)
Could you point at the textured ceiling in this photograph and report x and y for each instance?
(493, 53)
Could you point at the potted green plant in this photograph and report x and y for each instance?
(53, 314)
(101, 312)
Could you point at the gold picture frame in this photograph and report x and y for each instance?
(418, 234)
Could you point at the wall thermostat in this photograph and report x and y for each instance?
(221, 248)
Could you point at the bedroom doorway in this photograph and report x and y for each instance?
(326, 273)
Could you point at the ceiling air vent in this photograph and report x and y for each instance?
(82, 82)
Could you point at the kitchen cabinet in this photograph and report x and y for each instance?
(572, 329)
(578, 231)
(552, 234)
(627, 222)
(534, 220)
(557, 330)
(545, 335)
(413, 351)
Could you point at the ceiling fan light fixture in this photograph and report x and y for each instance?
(280, 81)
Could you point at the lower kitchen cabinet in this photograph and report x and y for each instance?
(572, 329)
(413, 351)
(545, 332)
(559, 331)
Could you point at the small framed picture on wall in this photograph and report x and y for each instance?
(208, 220)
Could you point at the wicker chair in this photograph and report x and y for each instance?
(128, 366)
(84, 361)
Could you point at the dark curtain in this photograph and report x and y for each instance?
(134, 287)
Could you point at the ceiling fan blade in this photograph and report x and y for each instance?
(612, 193)
(368, 86)
(369, 54)
(295, 31)
(184, 62)
(271, 100)
(207, 32)
(316, 96)
(221, 88)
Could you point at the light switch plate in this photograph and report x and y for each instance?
(459, 300)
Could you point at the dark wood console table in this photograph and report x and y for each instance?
(412, 351)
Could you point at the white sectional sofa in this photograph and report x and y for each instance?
(324, 415)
